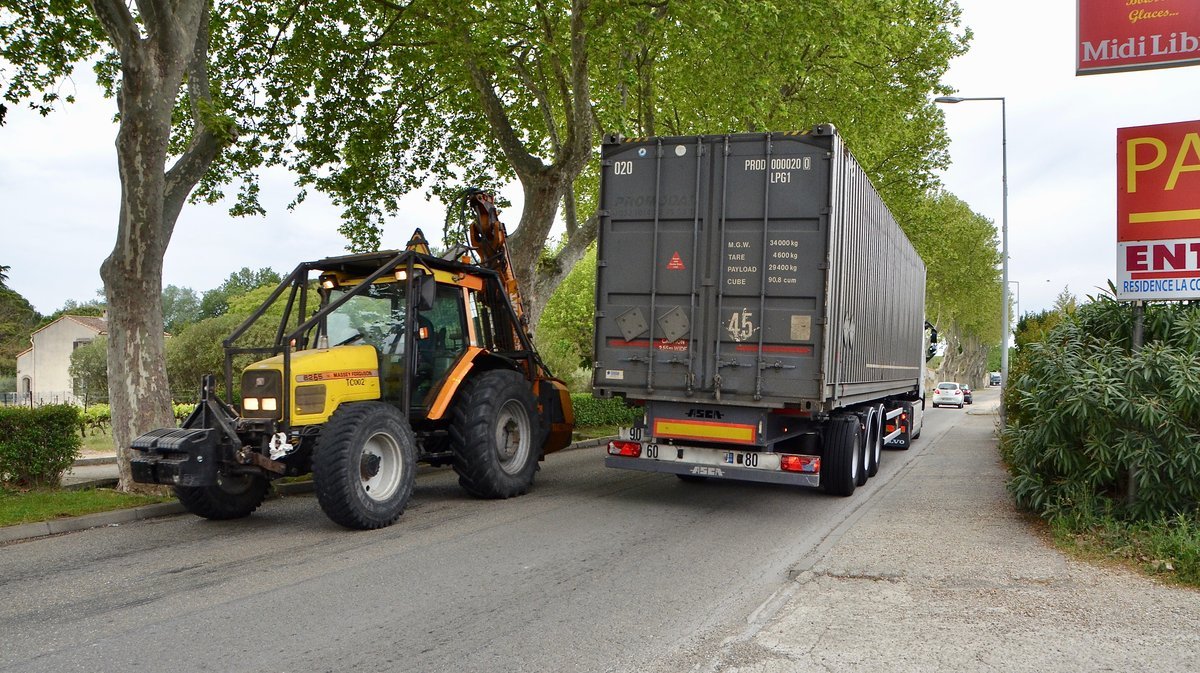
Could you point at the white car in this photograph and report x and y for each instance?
(948, 392)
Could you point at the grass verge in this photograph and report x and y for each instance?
(593, 432)
(1167, 549)
(35, 505)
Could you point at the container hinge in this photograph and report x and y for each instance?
(603, 212)
(823, 266)
(775, 365)
(601, 263)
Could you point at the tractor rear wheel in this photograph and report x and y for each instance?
(494, 434)
(232, 497)
(364, 465)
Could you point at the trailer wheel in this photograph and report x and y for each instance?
(493, 433)
(840, 463)
(875, 442)
(364, 465)
(232, 497)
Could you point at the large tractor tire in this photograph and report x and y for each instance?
(841, 462)
(875, 442)
(494, 433)
(364, 465)
(232, 497)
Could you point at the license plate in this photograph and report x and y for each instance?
(749, 459)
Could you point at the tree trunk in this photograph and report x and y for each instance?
(152, 71)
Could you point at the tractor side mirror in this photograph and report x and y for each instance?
(426, 288)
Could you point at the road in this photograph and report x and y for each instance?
(594, 570)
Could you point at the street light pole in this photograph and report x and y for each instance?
(1004, 320)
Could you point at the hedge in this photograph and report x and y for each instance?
(1088, 416)
(593, 411)
(37, 445)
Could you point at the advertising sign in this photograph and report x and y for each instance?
(1158, 211)
(1117, 35)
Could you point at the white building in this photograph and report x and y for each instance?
(43, 371)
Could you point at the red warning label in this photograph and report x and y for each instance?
(676, 264)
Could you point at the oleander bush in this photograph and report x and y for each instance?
(37, 445)
(1095, 429)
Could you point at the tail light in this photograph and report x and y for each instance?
(623, 448)
(789, 463)
(958, 392)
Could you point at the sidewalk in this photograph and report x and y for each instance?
(939, 573)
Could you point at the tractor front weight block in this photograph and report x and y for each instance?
(176, 456)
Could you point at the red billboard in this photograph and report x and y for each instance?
(1117, 35)
(1158, 211)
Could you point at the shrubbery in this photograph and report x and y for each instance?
(37, 445)
(591, 411)
(1088, 417)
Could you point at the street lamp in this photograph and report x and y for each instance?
(1004, 334)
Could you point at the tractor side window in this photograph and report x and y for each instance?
(441, 337)
(481, 318)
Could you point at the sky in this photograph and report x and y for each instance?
(59, 189)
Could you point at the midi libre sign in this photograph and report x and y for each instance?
(1158, 211)
(1117, 35)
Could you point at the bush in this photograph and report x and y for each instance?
(1088, 417)
(37, 445)
(95, 418)
(591, 411)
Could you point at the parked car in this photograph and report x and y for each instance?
(948, 393)
(966, 390)
(994, 379)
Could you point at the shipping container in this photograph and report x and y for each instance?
(754, 295)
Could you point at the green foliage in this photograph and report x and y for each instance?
(1085, 413)
(215, 302)
(18, 320)
(1167, 547)
(181, 307)
(564, 336)
(89, 370)
(37, 445)
(590, 411)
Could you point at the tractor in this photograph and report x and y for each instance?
(407, 358)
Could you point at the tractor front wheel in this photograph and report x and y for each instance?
(364, 465)
(232, 497)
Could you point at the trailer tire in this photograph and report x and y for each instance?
(494, 431)
(875, 442)
(365, 465)
(840, 463)
(232, 497)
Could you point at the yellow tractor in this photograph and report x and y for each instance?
(408, 358)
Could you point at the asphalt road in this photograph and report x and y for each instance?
(594, 570)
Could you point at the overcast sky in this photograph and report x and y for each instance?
(59, 187)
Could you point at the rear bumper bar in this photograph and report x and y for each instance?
(721, 472)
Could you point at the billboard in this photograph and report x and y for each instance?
(1158, 211)
(1115, 35)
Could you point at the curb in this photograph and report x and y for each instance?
(100, 460)
(26, 531)
(115, 517)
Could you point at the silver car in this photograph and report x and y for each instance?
(948, 393)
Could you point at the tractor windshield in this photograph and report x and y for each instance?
(375, 317)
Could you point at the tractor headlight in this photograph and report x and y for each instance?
(261, 390)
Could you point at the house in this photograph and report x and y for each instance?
(43, 371)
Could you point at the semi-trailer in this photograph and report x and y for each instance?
(757, 299)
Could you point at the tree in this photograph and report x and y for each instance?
(402, 93)
(146, 54)
(89, 371)
(18, 320)
(215, 302)
(4, 276)
(180, 306)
